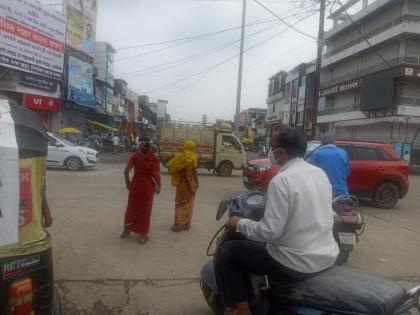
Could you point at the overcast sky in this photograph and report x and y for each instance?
(154, 70)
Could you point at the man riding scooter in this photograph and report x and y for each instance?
(293, 240)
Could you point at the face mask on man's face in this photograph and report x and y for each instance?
(272, 157)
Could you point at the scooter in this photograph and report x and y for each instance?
(348, 225)
(338, 290)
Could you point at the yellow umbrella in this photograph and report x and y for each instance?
(69, 130)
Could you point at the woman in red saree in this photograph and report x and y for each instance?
(142, 187)
(183, 170)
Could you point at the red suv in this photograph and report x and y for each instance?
(377, 172)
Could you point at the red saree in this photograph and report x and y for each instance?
(142, 189)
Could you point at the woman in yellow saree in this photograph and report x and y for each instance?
(183, 171)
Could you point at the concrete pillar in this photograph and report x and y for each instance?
(406, 7)
(402, 49)
(365, 3)
(335, 22)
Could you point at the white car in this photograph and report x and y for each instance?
(63, 153)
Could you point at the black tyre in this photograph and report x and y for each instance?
(73, 164)
(212, 300)
(386, 196)
(342, 258)
(225, 169)
(56, 303)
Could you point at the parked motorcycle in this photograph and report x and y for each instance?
(338, 290)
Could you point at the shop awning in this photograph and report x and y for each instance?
(97, 123)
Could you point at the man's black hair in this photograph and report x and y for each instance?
(293, 141)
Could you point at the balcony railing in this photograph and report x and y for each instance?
(376, 31)
(339, 110)
(406, 60)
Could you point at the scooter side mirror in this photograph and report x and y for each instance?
(223, 207)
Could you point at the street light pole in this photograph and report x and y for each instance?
(241, 60)
(318, 67)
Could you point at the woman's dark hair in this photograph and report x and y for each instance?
(293, 141)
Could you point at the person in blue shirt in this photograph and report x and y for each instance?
(334, 162)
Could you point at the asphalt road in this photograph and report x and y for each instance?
(98, 273)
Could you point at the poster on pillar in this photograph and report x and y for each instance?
(32, 38)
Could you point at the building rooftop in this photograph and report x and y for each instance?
(374, 8)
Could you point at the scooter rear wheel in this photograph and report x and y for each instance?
(342, 258)
(211, 298)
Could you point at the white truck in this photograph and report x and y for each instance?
(217, 147)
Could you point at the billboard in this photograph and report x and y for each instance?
(377, 91)
(24, 82)
(80, 82)
(81, 24)
(104, 62)
(32, 38)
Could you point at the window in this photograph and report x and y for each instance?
(386, 156)
(364, 154)
(345, 148)
(51, 141)
(229, 141)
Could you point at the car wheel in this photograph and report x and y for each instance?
(212, 300)
(386, 196)
(73, 164)
(225, 169)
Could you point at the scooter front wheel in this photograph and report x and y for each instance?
(211, 298)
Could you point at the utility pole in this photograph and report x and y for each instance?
(318, 66)
(241, 60)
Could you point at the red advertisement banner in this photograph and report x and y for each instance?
(42, 102)
(30, 35)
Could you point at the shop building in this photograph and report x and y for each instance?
(33, 77)
(104, 85)
(370, 83)
(247, 122)
(79, 101)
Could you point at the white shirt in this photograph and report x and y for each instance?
(116, 140)
(298, 219)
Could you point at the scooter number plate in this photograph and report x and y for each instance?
(347, 238)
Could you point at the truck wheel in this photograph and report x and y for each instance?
(386, 196)
(212, 300)
(225, 169)
(73, 164)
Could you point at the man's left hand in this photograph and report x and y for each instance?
(232, 223)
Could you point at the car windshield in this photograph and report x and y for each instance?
(64, 141)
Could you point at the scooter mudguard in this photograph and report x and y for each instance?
(208, 276)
